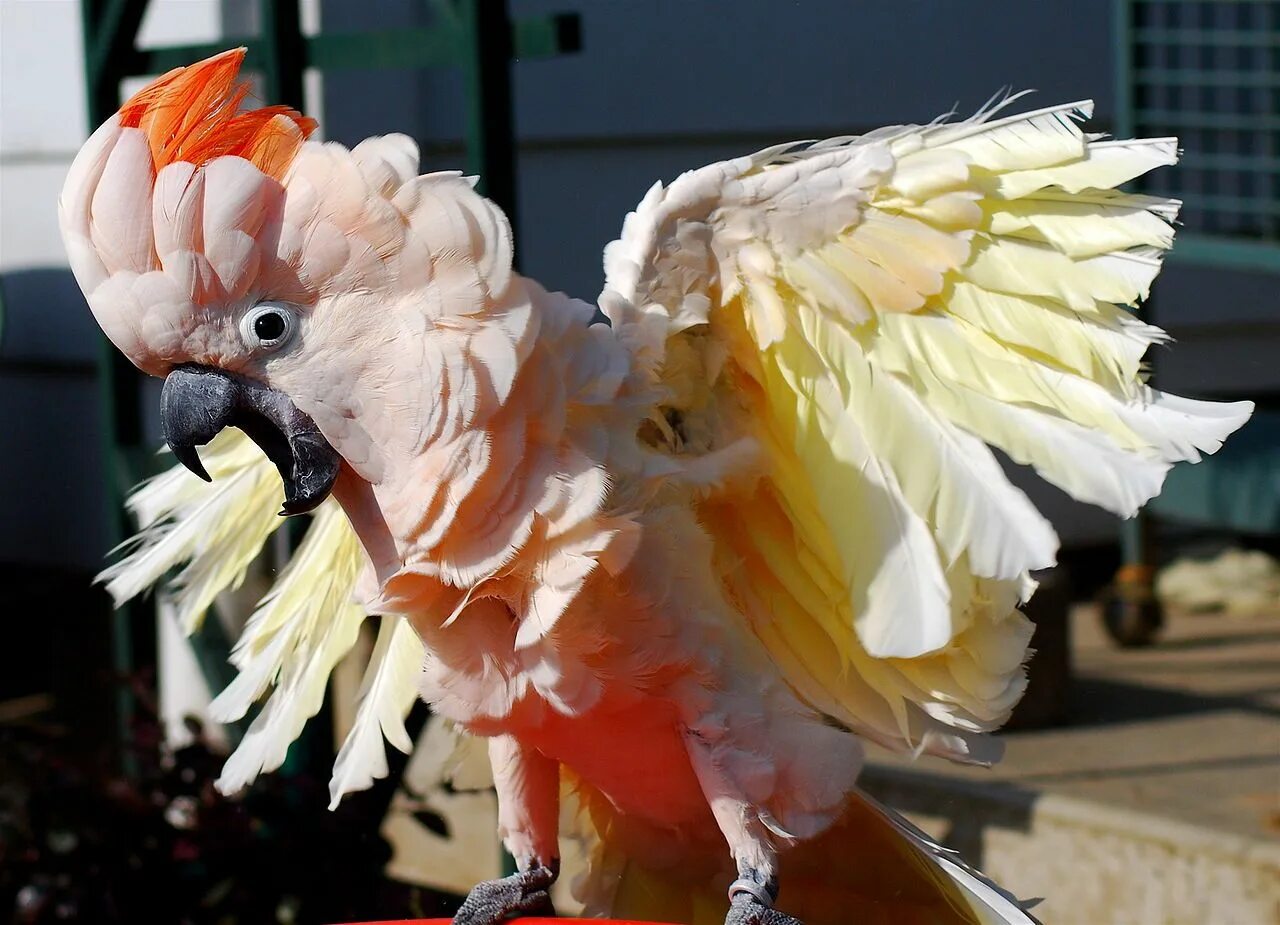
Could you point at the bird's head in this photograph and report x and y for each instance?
(319, 298)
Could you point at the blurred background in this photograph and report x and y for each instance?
(1142, 783)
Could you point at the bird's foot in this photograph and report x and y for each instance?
(524, 893)
(751, 902)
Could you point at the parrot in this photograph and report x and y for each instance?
(675, 556)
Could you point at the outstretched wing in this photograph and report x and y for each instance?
(210, 533)
(869, 314)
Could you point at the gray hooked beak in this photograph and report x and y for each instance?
(197, 402)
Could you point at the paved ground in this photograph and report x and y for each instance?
(1188, 729)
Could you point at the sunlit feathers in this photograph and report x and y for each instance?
(193, 114)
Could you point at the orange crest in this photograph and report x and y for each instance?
(193, 114)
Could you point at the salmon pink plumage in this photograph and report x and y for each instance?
(679, 565)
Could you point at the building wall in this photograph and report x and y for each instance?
(661, 86)
(52, 508)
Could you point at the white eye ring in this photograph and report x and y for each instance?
(268, 326)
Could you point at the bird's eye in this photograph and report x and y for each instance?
(267, 326)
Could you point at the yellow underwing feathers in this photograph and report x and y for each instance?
(210, 533)
(883, 309)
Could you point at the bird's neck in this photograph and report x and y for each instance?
(465, 505)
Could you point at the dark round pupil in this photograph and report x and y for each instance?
(268, 326)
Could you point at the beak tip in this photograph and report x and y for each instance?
(189, 458)
(293, 506)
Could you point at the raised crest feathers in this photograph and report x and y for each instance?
(193, 114)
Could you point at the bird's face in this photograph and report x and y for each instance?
(173, 218)
(219, 251)
(361, 323)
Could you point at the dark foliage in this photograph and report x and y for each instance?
(80, 843)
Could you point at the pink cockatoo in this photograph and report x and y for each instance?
(682, 563)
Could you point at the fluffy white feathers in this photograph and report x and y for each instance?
(211, 533)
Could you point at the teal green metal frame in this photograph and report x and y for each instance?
(1194, 249)
(1200, 249)
(477, 36)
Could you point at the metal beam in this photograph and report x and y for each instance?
(110, 28)
(437, 46)
(112, 31)
(1236, 254)
(282, 67)
(486, 67)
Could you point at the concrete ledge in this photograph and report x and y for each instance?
(1091, 863)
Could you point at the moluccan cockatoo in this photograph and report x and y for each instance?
(681, 563)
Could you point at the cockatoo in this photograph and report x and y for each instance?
(682, 563)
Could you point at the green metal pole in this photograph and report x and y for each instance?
(109, 28)
(1132, 614)
(486, 66)
(284, 58)
(1132, 539)
(1133, 532)
(1122, 27)
(491, 144)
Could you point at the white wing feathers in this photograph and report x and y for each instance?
(302, 627)
(386, 696)
(213, 531)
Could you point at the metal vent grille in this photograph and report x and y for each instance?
(1208, 71)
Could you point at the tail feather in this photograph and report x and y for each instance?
(872, 867)
(990, 903)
